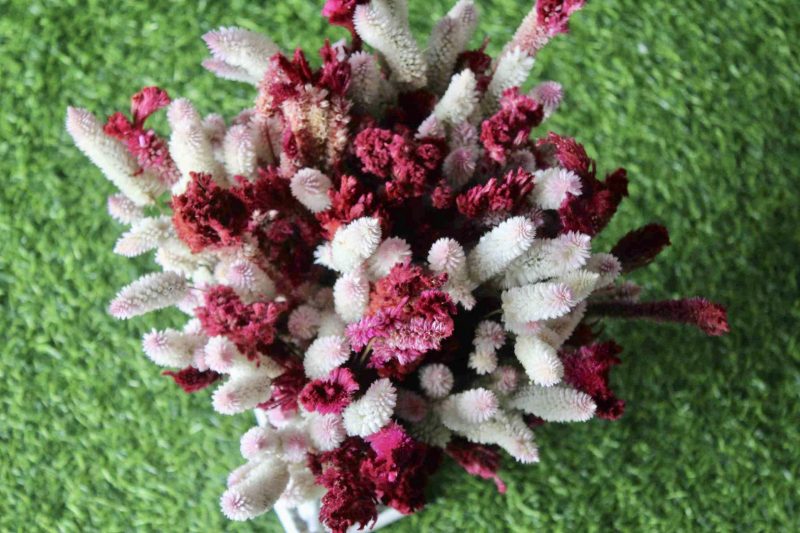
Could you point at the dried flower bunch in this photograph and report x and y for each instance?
(378, 255)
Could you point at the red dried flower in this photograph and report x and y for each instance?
(329, 395)
(708, 316)
(477, 460)
(250, 326)
(208, 215)
(587, 370)
(191, 379)
(639, 247)
(510, 127)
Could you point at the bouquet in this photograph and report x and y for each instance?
(379, 256)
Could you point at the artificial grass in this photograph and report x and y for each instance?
(699, 100)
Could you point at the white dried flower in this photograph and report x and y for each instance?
(325, 354)
(239, 150)
(460, 99)
(123, 210)
(259, 441)
(540, 360)
(111, 156)
(483, 360)
(449, 38)
(512, 70)
(490, 334)
(436, 380)
(552, 186)
(355, 243)
(144, 235)
(257, 490)
(555, 404)
(169, 347)
(310, 187)
(549, 94)
(304, 322)
(351, 295)
(190, 145)
(383, 24)
(391, 251)
(243, 49)
(497, 248)
(242, 392)
(607, 266)
(326, 431)
(539, 301)
(148, 293)
(365, 82)
(371, 412)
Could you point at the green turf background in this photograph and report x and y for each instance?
(699, 100)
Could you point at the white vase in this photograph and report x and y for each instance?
(305, 517)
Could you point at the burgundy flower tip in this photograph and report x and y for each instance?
(146, 102)
(587, 369)
(191, 379)
(118, 126)
(569, 154)
(477, 460)
(711, 317)
(207, 215)
(639, 247)
(330, 395)
(553, 15)
(340, 13)
(510, 127)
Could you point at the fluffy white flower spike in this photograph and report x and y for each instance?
(170, 347)
(499, 247)
(326, 431)
(241, 49)
(190, 145)
(123, 210)
(355, 243)
(257, 491)
(259, 441)
(372, 411)
(555, 404)
(512, 70)
(391, 251)
(460, 99)
(310, 187)
(112, 157)
(553, 185)
(540, 360)
(475, 405)
(325, 354)
(365, 82)
(539, 301)
(239, 148)
(449, 38)
(351, 295)
(436, 380)
(383, 24)
(242, 392)
(148, 293)
(145, 234)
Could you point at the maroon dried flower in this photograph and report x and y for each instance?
(587, 370)
(639, 247)
(191, 379)
(477, 460)
(510, 127)
(708, 316)
(329, 395)
(207, 215)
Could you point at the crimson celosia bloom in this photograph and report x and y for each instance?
(387, 256)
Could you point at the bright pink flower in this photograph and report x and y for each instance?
(553, 15)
